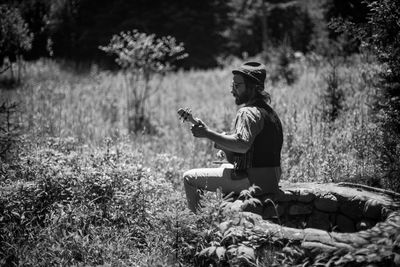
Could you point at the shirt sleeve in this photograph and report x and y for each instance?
(248, 124)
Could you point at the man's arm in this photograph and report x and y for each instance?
(226, 142)
(248, 124)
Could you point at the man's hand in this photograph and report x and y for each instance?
(200, 130)
(220, 154)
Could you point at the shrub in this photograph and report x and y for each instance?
(59, 207)
(333, 95)
(381, 34)
(142, 57)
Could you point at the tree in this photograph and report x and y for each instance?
(355, 11)
(381, 34)
(383, 21)
(142, 57)
(15, 38)
(80, 26)
(262, 24)
(36, 14)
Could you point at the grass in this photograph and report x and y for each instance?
(84, 191)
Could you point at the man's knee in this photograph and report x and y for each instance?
(188, 177)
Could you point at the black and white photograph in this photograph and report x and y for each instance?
(210, 133)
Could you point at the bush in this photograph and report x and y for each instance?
(60, 207)
(142, 57)
(381, 34)
(333, 95)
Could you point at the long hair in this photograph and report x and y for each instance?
(259, 89)
(263, 95)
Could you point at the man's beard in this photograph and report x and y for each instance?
(243, 98)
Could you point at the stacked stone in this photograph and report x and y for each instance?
(356, 215)
(327, 207)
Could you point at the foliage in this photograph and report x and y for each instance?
(380, 34)
(78, 27)
(314, 149)
(259, 26)
(333, 95)
(138, 51)
(386, 42)
(62, 207)
(65, 204)
(73, 29)
(36, 15)
(15, 37)
(352, 10)
(231, 240)
(86, 192)
(142, 57)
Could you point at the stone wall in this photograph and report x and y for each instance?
(329, 216)
(330, 207)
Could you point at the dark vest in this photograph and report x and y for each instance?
(266, 148)
(268, 143)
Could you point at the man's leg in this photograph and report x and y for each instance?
(210, 179)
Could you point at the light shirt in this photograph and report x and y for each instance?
(249, 122)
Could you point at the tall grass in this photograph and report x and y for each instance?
(124, 191)
(91, 106)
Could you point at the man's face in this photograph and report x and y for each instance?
(238, 90)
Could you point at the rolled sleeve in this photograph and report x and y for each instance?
(248, 124)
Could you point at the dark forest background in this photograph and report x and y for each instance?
(210, 30)
(92, 154)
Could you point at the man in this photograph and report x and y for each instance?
(253, 148)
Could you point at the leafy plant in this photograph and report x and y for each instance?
(142, 57)
(230, 237)
(333, 95)
(380, 34)
(100, 197)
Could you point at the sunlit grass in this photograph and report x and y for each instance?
(91, 106)
(83, 116)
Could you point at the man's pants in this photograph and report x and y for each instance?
(211, 179)
(224, 177)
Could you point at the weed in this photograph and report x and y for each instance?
(86, 191)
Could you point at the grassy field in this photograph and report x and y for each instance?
(83, 191)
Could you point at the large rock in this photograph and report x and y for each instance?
(319, 220)
(372, 209)
(306, 196)
(300, 209)
(345, 224)
(327, 202)
(353, 207)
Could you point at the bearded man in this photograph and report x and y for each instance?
(253, 149)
